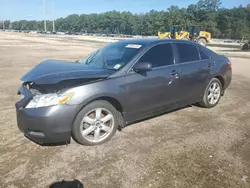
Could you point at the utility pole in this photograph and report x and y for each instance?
(44, 9)
(10, 25)
(242, 40)
(53, 7)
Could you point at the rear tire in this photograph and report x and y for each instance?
(202, 41)
(96, 123)
(212, 94)
(246, 46)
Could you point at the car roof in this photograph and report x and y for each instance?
(153, 41)
(139, 41)
(149, 41)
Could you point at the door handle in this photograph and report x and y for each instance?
(174, 73)
(210, 65)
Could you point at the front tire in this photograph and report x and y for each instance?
(212, 94)
(246, 46)
(96, 123)
(202, 41)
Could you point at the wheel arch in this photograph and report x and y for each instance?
(222, 81)
(112, 100)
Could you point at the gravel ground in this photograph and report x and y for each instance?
(192, 147)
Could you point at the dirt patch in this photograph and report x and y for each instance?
(180, 170)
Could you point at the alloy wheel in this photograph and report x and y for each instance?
(97, 124)
(214, 93)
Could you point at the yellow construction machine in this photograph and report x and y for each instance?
(194, 33)
(197, 34)
(176, 32)
(246, 46)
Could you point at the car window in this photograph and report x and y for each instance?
(203, 55)
(158, 56)
(187, 52)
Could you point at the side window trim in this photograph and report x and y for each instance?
(173, 51)
(201, 50)
(174, 61)
(178, 55)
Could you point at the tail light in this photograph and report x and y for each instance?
(229, 65)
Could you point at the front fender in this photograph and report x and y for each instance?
(112, 88)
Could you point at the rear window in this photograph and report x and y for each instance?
(187, 52)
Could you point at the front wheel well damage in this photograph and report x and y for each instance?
(118, 107)
(113, 102)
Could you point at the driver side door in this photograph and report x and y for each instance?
(149, 92)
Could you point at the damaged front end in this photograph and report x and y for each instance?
(47, 83)
(51, 97)
(39, 115)
(42, 95)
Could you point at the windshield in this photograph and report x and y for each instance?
(113, 56)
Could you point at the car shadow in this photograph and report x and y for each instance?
(161, 114)
(67, 184)
(47, 144)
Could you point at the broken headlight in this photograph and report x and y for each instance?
(42, 100)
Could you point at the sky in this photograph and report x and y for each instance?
(33, 9)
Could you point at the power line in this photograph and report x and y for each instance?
(45, 15)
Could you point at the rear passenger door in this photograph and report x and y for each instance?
(195, 69)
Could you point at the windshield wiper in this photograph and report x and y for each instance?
(88, 60)
(104, 62)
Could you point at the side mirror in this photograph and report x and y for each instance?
(139, 67)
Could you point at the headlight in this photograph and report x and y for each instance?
(48, 100)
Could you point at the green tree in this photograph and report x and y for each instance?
(209, 4)
(222, 23)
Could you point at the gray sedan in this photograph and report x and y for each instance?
(126, 81)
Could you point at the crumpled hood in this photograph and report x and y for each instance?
(53, 71)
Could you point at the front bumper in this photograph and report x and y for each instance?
(45, 125)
